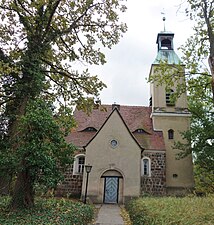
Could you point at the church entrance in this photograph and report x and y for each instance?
(111, 188)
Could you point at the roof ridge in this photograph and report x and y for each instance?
(143, 106)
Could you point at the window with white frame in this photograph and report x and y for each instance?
(79, 163)
(145, 166)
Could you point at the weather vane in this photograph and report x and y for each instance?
(164, 19)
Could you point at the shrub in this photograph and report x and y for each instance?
(172, 210)
(47, 212)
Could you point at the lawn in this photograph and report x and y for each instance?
(48, 212)
(172, 211)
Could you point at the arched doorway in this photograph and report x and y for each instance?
(113, 186)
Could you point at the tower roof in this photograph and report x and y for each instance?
(170, 57)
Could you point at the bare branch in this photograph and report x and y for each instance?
(68, 75)
(79, 39)
(54, 80)
(53, 10)
(74, 24)
(26, 10)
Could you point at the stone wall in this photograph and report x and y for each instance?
(156, 183)
(71, 186)
(153, 185)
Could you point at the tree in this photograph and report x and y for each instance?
(204, 181)
(201, 44)
(42, 44)
(200, 82)
(201, 134)
(40, 153)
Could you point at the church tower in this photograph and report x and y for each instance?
(171, 116)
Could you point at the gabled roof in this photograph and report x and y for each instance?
(135, 117)
(117, 111)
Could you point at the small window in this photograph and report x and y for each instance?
(140, 131)
(146, 166)
(169, 100)
(150, 101)
(175, 175)
(170, 134)
(90, 129)
(79, 162)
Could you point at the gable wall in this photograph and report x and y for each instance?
(125, 158)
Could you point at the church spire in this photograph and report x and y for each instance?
(165, 46)
(164, 19)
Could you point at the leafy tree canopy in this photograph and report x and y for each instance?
(40, 40)
(40, 144)
(43, 44)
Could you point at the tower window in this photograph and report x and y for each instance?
(175, 175)
(170, 134)
(166, 44)
(169, 100)
(150, 101)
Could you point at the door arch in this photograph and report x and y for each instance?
(112, 187)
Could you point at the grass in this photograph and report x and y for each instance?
(47, 212)
(172, 211)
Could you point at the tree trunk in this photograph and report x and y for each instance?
(5, 184)
(23, 196)
(211, 64)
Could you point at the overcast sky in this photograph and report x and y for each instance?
(128, 63)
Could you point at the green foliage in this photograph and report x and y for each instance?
(204, 180)
(43, 47)
(136, 212)
(40, 144)
(200, 137)
(48, 211)
(169, 210)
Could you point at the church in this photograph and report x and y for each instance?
(130, 148)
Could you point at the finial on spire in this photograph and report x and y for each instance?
(164, 19)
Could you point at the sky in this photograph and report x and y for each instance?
(129, 62)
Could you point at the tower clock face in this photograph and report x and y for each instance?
(114, 143)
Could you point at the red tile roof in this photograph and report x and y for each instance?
(135, 117)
